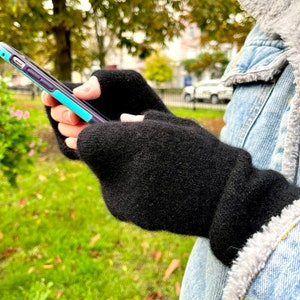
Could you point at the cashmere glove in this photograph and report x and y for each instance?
(125, 91)
(167, 173)
(122, 91)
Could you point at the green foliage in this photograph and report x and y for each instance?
(215, 62)
(50, 32)
(16, 138)
(189, 64)
(138, 24)
(158, 68)
(23, 24)
(221, 21)
(60, 33)
(38, 291)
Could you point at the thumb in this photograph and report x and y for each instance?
(89, 90)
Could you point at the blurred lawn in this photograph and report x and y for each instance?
(58, 241)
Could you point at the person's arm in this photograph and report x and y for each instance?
(168, 173)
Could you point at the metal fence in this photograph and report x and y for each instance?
(174, 97)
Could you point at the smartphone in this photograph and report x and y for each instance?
(50, 84)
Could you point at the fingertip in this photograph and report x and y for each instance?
(62, 114)
(131, 118)
(89, 90)
(44, 98)
(71, 142)
(47, 99)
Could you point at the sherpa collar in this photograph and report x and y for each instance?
(281, 17)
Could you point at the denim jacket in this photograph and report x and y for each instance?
(258, 118)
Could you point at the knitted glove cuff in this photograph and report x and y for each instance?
(250, 199)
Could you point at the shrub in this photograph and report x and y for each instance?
(17, 141)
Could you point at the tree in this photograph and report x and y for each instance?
(215, 62)
(44, 32)
(57, 34)
(61, 26)
(158, 68)
(65, 23)
(136, 25)
(59, 31)
(222, 21)
(21, 23)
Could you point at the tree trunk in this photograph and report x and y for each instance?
(63, 61)
(101, 51)
(100, 41)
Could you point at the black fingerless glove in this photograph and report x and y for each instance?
(167, 173)
(125, 91)
(122, 91)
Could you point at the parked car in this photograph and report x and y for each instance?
(212, 91)
(188, 93)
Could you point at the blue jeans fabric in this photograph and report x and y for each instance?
(256, 120)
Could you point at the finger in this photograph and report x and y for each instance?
(48, 100)
(89, 90)
(71, 130)
(62, 114)
(71, 142)
(131, 118)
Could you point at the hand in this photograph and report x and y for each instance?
(167, 173)
(70, 124)
(112, 92)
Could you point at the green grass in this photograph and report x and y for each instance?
(58, 241)
(197, 114)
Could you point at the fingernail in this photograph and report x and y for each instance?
(84, 88)
(71, 143)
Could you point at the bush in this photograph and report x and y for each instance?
(17, 141)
